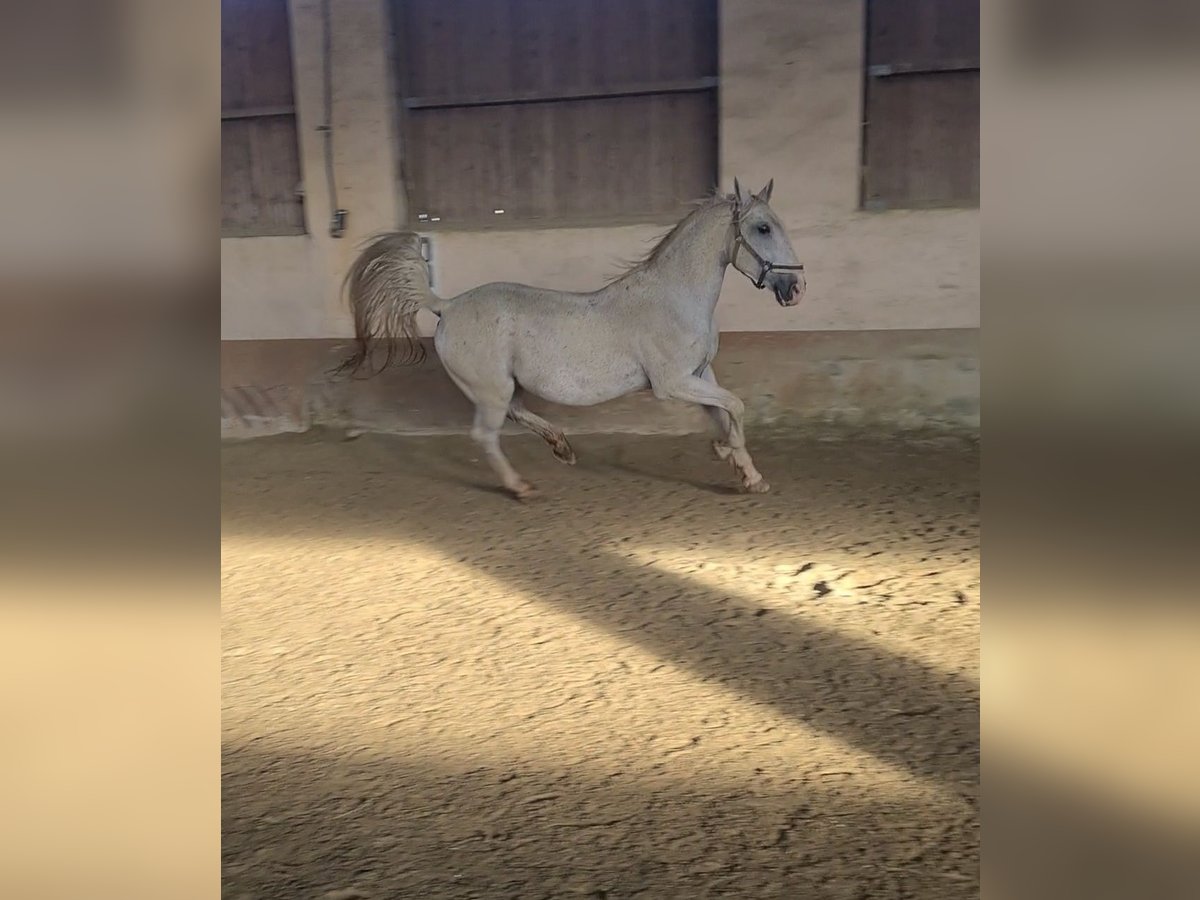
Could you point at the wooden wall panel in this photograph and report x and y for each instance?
(921, 115)
(260, 155)
(923, 34)
(256, 54)
(465, 48)
(578, 160)
(588, 110)
(925, 133)
(260, 168)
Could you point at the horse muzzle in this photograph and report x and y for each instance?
(788, 289)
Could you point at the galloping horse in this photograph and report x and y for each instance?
(650, 328)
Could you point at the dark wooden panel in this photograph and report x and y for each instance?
(684, 34)
(922, 139)
(451, 48)
(260, 161)
(581, 160)
(260, 173)
(256, 56)
(922, 33)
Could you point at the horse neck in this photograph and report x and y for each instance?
(692, 266)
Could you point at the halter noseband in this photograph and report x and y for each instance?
(739, 242)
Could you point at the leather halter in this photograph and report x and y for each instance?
(765, 268)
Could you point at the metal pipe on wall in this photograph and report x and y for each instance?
(337, 221)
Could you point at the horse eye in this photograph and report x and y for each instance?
(764, 229)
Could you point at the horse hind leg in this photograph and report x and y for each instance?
(551, 434)
(489, 419)
(491, 393)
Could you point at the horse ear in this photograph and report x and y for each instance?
(765, 194)
(743, 199)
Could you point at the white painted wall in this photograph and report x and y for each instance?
(791, 85)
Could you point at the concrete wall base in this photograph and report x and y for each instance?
(889, 380)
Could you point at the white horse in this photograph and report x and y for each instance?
(652, 327)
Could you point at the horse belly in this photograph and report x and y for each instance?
(577, 383)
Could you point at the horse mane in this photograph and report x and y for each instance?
(650, 256)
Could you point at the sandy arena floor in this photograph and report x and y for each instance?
(639, 685)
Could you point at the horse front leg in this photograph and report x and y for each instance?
(720, 419)
(706, 392)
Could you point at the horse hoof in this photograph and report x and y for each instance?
(564, 454)
(524, 491)
(758, 487)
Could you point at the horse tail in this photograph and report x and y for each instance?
(386, 286)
